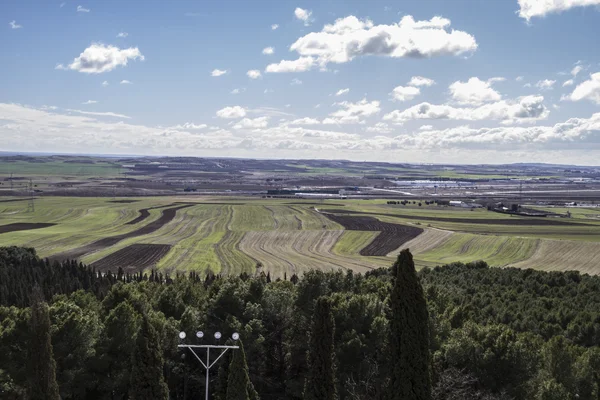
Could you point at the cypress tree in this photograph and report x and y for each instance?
(409, 339)
(42, 367)
(239, 386)
(320, 383)
(147, 380)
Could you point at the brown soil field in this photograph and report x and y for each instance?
(12, 200)
(538, 221)
(134, 258)
(22, 226)
(392, 236)
(166, 217)
(428, 240)
(145, 213)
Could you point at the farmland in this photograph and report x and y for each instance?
(290, 236)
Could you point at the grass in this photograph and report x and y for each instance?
(58, 168)
(292, 236)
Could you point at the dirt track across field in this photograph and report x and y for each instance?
(134, 258)
(22, 226)
(491, 221)
(166, 217)
(391, 236)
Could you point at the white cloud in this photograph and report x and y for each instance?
(188, 126)
(342, 91)
(303, 15)
(405, 93)
(253, 74)
(89, 102)
(231, 112)
(82, 9)
(13, 24)
(527, 85)
(353, 113)
(238, 90)
(576, 70)
(105, 83)
(473, 92)
(268, 50)
(218, 72)
(99, 114)
(252, 123)
(540, 8)
(588, 90)
(99, 58)
(426, 127)
(380, 127)
(126, 82)
(519, 78)
(305, 121)
(350, 37)
(527, 109)
(62, 4)
(274, 26)
(296, 81)
(421, 81)
(570, 82)
(300, 65)
(546, 84)
(122, 35)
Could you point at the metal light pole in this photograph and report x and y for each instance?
(208, 365)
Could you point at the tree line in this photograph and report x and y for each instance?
(461, 331)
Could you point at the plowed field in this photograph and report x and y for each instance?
(134, 258)
(391, 236)
(23, 226)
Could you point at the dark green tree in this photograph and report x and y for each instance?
(42, 367)
(320, 382)
(409, 334)
(147, 380)
(239, 386)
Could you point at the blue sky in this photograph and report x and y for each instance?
(416, 81)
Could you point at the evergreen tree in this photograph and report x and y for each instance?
(239, 386)
(147, 380)
(409, 339)
(42, 367)
(320, 383)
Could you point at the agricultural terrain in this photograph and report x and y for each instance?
(231, 235)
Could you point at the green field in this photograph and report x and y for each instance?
(288, 236)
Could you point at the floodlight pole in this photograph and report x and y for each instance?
(208, 364)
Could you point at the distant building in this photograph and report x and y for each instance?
(458, 203)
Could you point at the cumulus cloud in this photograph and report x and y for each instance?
(474, 91)
(268, 50)
(353, 113)
(89, 102)
(252, 123)
(296, 81)
(350, 37)
(99, 114)
(105, 83)
(303, 15)
(253, 74)
(231, 112)
(380, 127)
(519, 78)
(238, 90)
(426, 127)
(587, 90)
(126, 82)
(405, 93)
(527, 109)
(82, 9)
(576, 70)
(274, 26)
(536, 8)
(546, 84)
(218, 72)
(305, 121)
(300, 65)
(569, 82)
(99, 58)
(421, 81)
(189, 126)
(13, 24)
(122, 35)
(342, 92)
